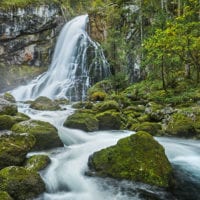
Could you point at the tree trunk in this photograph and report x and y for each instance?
(163, 74)
(187, 71)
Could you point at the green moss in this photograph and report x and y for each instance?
(7, 96)
(82, 120)
(46, 134)
(106, 105)
(14, 147)
(5, 196)
(23, 3)
(37, 162)
(20, 183)
(19, 117)
(150, 127)
(6, 122)
(109, 120)
(44, 103)
(181, 125)
(97, 96)
(7, 108)
(138, 158)
(83, 104)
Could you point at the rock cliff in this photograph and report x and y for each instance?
(27, 38)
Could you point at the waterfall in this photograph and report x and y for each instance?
(78, 62)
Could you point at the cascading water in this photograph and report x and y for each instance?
(77, 63)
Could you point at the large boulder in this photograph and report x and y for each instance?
(82, 120)
(14, 147)
(20, 183)
(182, 125)
(138, 157)
(37, 162)
(7, 108)
(46, 134)
(109, 120)
(44, 103)
(150, 127)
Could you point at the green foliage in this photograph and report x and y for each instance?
(23, 3)
(175, 47)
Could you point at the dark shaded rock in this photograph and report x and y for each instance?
(138, 158)
(6, 122)
(20, 183)
(46, 134)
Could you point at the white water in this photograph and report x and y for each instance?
(77, 63)
(65, 177)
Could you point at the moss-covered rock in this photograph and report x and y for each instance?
(83, 104)
(7, 108)
(44, 103)
(98, 96)
(37, 162)
(46, 134)
(181, 125)
(20, 183)
(62, 101)
(20, 117)
(14, 147)
(150, 127)
(106, 105)
(6, 122)
(109, 120)
(138, 157)
(82, 120)
(9, 97)
(5, 196)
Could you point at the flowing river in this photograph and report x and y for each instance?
(66, 180)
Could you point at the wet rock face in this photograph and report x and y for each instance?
(27, 36)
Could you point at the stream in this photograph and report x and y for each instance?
(65, 178)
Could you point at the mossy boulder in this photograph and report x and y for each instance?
(5, 196)
(109, 120)
(83, 104)
(82, 120)
(106, 105)
(138, 157)
(6, 122)
(46, 134)
(181, 125)
(19, 117)
(150, 127)
(97, 96)
(9, 97)
(20, 183)
(7, 108)
(62, 101)
(44, 103)
(37, 162)
(14, 147)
